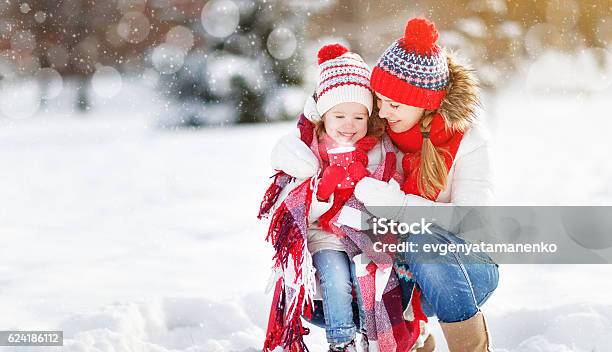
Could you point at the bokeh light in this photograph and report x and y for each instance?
(281, 43)
(220, 18)
(133, 27)
(167, 58)
(180, 37)
(106, 82)
(25, 7)
(50, 81)
(40, 16)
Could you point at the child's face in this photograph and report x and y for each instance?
(400, 117)
(346, 123)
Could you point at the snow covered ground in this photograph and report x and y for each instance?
(131, 238)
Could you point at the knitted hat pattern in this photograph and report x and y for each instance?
(343, 78)
(414, 69)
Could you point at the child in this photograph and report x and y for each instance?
(345, 134)
(346, 143)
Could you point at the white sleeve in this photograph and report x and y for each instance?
(472, 183)
(294, 157)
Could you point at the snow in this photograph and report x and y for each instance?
(132, 238)
(20, 98)
(586, 71)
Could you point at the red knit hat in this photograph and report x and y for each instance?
(413, 70)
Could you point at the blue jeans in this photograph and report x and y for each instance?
(337, 278)
(453, 286)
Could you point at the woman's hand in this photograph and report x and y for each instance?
(375, 193)
(387, 200)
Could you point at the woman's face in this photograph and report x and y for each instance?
(346, 123)
(400, 117)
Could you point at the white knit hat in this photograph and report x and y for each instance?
(343, 78)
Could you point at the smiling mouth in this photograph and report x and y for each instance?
(346, 134)
(391, 122)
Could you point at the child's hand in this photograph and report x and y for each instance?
(357, 171)
(332, 176)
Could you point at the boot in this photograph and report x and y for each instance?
(429, 346)
(467, 336)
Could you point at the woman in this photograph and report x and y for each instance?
(429, 103)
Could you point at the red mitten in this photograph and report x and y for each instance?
(357, 171)
(332, 176)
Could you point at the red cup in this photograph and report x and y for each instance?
(343, 157)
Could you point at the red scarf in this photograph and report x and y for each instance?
(362, 147)
(410, 143)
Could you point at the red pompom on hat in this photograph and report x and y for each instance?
(420, 35)
(329, 52)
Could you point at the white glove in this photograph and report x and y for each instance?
(382, 199)
(294, 157)
(387, 200)
(373, 192)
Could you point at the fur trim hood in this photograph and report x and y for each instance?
(462, 100)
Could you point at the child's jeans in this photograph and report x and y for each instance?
(337, 275)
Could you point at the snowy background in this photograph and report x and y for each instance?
(131, 238)
(130, 229)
